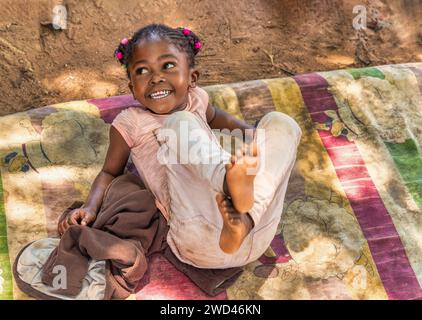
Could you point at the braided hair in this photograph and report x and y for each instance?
(182, 38)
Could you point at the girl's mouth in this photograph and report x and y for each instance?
(160, 94)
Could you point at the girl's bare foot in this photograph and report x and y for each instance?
(236, 225)
(240, 175)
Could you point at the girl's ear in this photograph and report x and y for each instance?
(131, 88)
(194, 76)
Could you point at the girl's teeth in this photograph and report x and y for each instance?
(160, 94)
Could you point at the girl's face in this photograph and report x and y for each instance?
(160, 76)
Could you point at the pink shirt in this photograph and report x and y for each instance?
(138, 126)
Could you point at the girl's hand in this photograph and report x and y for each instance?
(82, 216)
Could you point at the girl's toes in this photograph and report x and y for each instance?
(244, 149)
(253, 149)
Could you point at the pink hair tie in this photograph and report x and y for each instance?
(197, 45)
(124, 41)
(186, 31)
(119, 55)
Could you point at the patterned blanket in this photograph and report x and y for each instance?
(352, 221)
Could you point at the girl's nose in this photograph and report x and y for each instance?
(156, 78)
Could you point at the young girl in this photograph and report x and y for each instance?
(220, 215)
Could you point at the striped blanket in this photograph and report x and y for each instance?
(352, 221)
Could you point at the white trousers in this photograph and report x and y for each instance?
(196, 173)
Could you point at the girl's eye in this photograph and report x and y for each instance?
(166, 65)
(141, 70)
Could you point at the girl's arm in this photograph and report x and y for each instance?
(220, 119)
(114, 165)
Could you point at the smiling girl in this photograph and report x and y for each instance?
(219, 214)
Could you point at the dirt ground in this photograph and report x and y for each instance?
(242, 40)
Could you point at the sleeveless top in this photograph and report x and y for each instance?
(138, 127)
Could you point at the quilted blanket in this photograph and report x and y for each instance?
(351, 226)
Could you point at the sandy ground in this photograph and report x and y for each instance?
(243, 40)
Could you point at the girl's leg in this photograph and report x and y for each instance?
(196, 177)
(281, 138)
(187, 142)
(278, 138)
